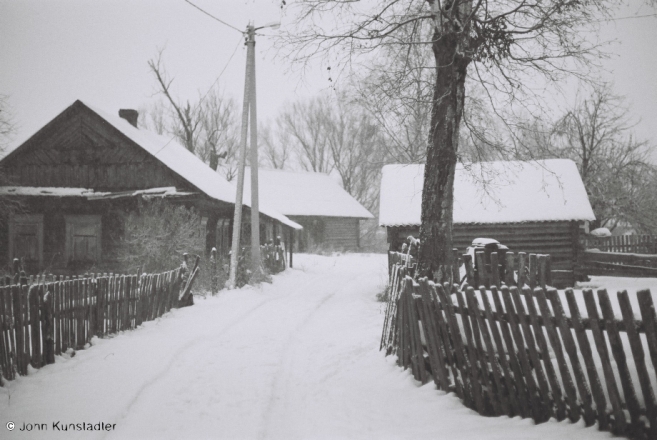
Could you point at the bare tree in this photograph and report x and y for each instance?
(7, 131)
(615, 167)
(304, 125)
(276, 147)
(207, 128)
(500, 43)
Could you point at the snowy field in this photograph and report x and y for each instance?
(297, 359)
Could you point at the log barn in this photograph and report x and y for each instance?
(535, 207)
(78, 175)
(330, 216)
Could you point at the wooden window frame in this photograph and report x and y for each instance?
(26, 219)
(73, 220)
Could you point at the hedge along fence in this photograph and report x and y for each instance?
(41, 320)
(526, 354)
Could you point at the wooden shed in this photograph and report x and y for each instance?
(329, 215)
(79, 173)
(534, 207)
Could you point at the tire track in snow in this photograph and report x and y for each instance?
(176, 356)
(281, 378)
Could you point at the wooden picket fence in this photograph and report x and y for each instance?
(525, 354)
(637, 244)
(618, 264)
(491, 269)
(44, 319)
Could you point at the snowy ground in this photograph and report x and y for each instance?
(297, 359)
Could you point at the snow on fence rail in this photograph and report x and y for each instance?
(617, 264)
(44, 319)
(525, 354)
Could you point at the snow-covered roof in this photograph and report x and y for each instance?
(46, 191)
(188, 166)
(306, 194)
(491, 192)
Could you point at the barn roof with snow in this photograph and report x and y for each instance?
(176, 158)
(491, 192)
(306, 194)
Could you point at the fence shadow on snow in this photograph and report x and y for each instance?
(526, 352)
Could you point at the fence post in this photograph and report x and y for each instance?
(213, 271)
(494, 269)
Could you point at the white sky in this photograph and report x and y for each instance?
(54, 52)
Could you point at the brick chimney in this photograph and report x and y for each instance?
(129, 115)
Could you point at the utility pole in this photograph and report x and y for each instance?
(249, 107)
(255, 208)
(237, 216)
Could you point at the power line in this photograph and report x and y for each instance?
(212, 16)
(629, 17)
(207, 92)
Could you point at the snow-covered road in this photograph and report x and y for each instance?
(297, 359)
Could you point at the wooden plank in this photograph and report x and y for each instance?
(536, 399)
(619, 422)
(417, 356)
(5, 347)
(18, 329)
(571, 349)
(650, 321)
(555, 386)
(494, 269)
(48, 323)
(482, 273)
(533, 269)
(446, 343)
(639, 359)
(463, 362)
(469, 269)
(512, 396)
(432, 335)
(530, 341)
(587, 354)
(522, 268)
(619, 355)
(542, 270)
(509, 267)
(500, 399)
(473, 356)
(35, 323)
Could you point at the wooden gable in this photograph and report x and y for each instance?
(80, 149)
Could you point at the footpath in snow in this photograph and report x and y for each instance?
(297, 359)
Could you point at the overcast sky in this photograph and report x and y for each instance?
(54, 52)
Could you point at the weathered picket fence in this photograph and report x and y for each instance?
(525, 354)
(618, 264)
(490, 268)
(637, 244)
(44, 319)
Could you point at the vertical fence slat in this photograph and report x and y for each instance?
(432, 335)
(587, 354)
(639, 358)
(445, 341)
(571, 350)
(514, 406)
(601, 345)
(500, 398)
(619, 355)
(524, 389)
(522, 355)
(457, 340)
(539, 336)
(650, 323)
(522, 269)
(471, 353)
(494, 269)
(509, 269)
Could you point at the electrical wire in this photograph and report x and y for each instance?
(207, 92)
(212, 16)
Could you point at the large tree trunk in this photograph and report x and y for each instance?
(438, 191)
